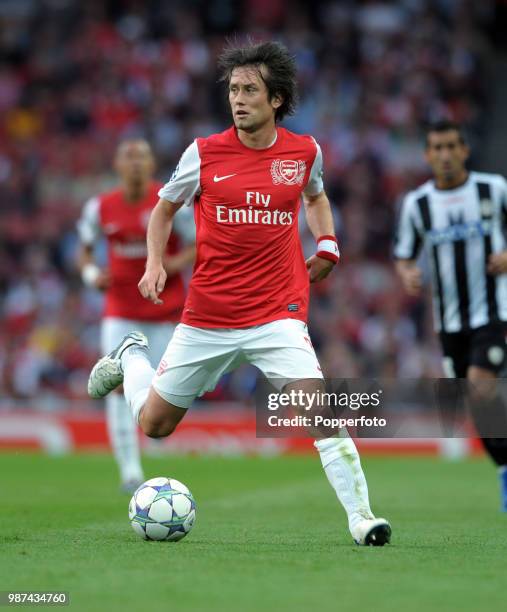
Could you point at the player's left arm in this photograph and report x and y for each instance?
(497, 262)
(320, 221)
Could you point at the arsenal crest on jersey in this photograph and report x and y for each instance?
(288, 171)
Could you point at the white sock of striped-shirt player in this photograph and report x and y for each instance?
(123, 438)
(342, 465)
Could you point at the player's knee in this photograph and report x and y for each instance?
(157, 429)
(158, 418)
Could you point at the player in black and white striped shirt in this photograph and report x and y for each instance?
(460, 217)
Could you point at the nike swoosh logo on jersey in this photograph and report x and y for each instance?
(217, 179)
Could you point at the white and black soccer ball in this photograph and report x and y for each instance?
(162, 509)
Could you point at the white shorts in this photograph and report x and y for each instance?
(196, 357)
(159, 334)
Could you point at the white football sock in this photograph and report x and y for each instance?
(341, 463)
(123, 437)
(137, 377)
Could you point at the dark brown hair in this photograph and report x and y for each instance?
(279, 76)
(444, 125)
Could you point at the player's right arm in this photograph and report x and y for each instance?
(88, 228)
(182, 188)
(408, 242)
(184, 228)
(160, 225)
(410, 275)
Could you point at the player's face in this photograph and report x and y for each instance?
(134, 161)
(446, 154)
(248, 96)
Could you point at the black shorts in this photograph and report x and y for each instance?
(484, 347)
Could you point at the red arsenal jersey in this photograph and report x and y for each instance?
(250, 267)
(124, 224)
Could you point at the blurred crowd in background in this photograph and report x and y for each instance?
(75, 77)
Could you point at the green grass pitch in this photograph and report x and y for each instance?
(269, 535)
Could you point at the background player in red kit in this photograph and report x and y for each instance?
(248, 297)
(121, 216)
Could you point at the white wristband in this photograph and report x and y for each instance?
(90, 273)
(327, 248)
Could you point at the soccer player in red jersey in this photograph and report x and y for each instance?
(248, 297)
(121, 217)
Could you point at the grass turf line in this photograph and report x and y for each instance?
(269, 535)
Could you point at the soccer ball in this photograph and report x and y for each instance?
(162, 509)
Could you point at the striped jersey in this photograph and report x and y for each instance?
(459, 229)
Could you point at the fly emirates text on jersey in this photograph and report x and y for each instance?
(252, 214)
